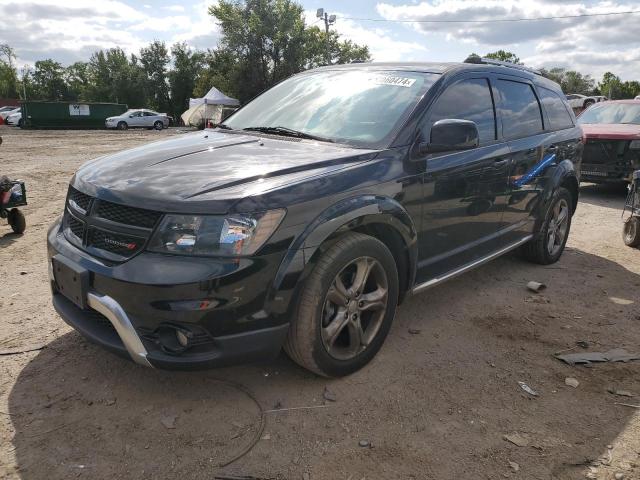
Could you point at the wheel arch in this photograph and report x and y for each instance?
(380, 217)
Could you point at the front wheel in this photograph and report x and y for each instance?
(122, 126)
(547, 246)
(346, 307)
(158, 125)
(631, 232)
(17, 221)
(588, 103)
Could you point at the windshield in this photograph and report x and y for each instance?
(612, 113)
(357, 107)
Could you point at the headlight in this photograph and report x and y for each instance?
(634, 145)
(210, 235)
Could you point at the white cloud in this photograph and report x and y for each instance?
(590, 44)
(382, 45)
(174, 8)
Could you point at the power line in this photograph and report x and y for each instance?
(498, 20)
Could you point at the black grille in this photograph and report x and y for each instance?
(80, 199)
(127, 215)
(108, 230)
(76, 227)
(123, 245)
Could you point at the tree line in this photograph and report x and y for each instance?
(262, 42)
(573, 81)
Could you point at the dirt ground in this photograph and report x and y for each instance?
(436, 403)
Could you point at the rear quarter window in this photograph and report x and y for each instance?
(559, 117)
(520, 109)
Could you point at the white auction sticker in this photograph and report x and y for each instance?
(396, 81)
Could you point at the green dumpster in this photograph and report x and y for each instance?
(68, 114)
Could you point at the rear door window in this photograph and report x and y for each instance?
(519, 108)
(466, 100)
(557, 112)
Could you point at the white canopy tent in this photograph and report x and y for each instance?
(208, 107)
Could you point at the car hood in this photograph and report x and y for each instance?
(207, 171)
(615, 131)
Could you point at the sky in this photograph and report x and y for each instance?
(72, 30)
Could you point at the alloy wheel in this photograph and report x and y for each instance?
(354, 308)
(558, 227)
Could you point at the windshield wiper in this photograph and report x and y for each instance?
(287, 132)
(224, 126)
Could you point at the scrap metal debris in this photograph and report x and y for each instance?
(615, 355)
(621, 393)
(528, 389)
(536, 286)
(517, 439)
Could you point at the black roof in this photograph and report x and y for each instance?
(448, 67)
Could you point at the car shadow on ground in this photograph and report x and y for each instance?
(8, 238)
(610, 195)
(435, 403)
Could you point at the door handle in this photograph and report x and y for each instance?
(498, 162)
(552, 148)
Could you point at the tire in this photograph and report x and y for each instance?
(538, 250)
(17, 221)
(588, 103)
(631, 232)
(308, 341)
(122, 126)
(158, 125)
(20, 123)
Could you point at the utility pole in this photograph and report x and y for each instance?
(328, 20)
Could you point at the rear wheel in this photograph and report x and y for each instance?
(346, 307)
(588, 103)
(158, 125)
(631, 232)
(549, 243)
(122, 125)
(17, 221)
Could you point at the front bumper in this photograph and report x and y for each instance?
(223, 305)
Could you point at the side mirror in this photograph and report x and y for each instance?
(130, 116)
(451, 135)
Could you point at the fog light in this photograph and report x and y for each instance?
(182, 338)
(173, 339)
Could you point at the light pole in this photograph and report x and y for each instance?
(328, 20)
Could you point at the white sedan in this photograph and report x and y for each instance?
(6, 111)
(577, 100)
(141, 118)
(15, 119)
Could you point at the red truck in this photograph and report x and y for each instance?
(612, 141)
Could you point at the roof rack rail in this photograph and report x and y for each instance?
(490, 61)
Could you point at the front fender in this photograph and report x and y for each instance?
(350, 214)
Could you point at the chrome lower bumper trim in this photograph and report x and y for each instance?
(481, 261)
(111, 309)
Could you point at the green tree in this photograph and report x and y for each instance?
(8, 73)
(48, 80)
(264, 41)
(77, 78)
(504, 56)
(611, 86)
(114, 77)
(187, 67)
(571, 81)
(154, 60)
(340, 51)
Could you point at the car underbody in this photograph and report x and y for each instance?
(609, 161)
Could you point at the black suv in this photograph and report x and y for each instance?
(306, 217)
